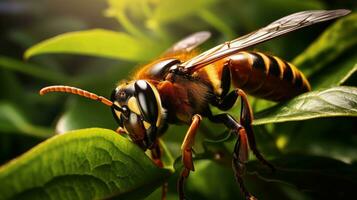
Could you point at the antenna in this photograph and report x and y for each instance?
(80, 92)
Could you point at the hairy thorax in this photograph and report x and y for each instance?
(183, 97)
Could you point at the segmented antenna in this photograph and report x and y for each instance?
(77, 91)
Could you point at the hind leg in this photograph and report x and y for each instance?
(246, 118)
(240, 153)
(227, 100)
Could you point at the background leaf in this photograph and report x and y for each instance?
(209, 171)
(83, 113)
(328, 137)
(337, 74)
(85, 164)
(96, 42)
(31, 70)
(177, 10)
(11, 120)
(335, 41)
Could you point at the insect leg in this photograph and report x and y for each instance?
(156, 155)
(120, 130)
(246, 118)
(186, 149)
(240, 153)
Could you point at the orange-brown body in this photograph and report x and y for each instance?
(256, 73)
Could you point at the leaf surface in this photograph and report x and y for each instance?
(96, 42)
(332, 102)
(84, 164)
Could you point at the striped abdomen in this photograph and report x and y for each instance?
(262, 75)
(267, 76)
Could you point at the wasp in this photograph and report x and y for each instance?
(180, 87)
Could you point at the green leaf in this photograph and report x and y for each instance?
(215, 21)
(207, 171)
(11, 120)
(332, 102)
(177, 10)
(317, 176)
(96, 42)
(335, 41)
(222, 184)
(331, 59)
(121, 10)
(84, 164)
(336, 74)
(31, 70)
(328, 137)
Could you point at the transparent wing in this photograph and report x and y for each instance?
(188, 43)
(282, 26)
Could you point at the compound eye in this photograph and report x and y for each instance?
(148, 103)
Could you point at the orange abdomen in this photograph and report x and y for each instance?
(264, 76)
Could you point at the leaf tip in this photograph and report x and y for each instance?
(28, 54)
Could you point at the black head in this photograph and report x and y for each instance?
(141, 114)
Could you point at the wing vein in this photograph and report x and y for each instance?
(277, 28)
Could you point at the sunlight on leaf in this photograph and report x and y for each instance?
(332, 102)
(97, 42)
(120, 9)
(85, 164)
(177, 10)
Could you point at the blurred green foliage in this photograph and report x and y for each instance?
(113, 37)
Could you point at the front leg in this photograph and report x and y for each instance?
(186, 149)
